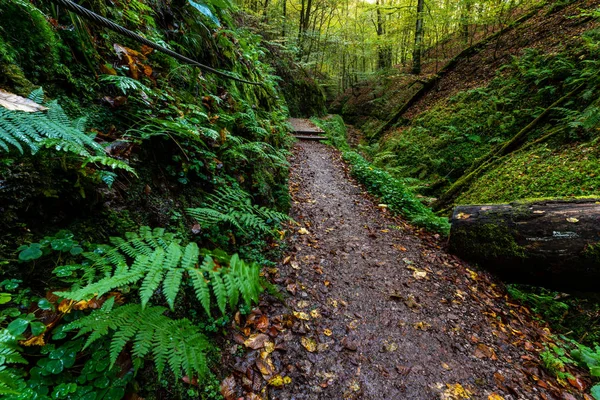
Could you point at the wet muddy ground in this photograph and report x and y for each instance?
(375, 309)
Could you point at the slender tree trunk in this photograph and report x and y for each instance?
(418, 38)
(283, 28)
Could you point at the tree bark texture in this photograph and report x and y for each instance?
(550, 243)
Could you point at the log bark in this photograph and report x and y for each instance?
(552, 243)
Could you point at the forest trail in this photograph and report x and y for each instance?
(378, 310)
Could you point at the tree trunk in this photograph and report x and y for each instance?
(550, 243)
(284, 19)
(416, 69)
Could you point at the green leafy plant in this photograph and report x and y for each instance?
(391, 191)
(154, 258)
(554, 359)
(176, 343)
(233, 206)
(589, 358)
(19, 128)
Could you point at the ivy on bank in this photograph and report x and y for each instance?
(393, 192)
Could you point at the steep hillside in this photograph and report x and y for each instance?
(484, 101)
(139, 194)
(552, 27)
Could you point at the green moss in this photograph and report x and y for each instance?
(487, 241)
(568, 171)
(592, 252)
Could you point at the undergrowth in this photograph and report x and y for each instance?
(444, 142)
(391, 191)
(95, 303)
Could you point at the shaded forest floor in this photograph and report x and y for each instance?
(376, 309)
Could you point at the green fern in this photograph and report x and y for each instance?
(125, 84)
(10, 353)
(52, 129)
(18, 128)
(177, 344)
(151, 258)
(233, 206)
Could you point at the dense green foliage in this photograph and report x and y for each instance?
(131, 139)
(441, 144)
(393, 192)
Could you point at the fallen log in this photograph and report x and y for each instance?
(553, 243)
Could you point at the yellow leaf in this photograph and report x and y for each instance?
(303, 231)
(308, 343)
(65, 306)
(495, 396)
(301, 315)
(456, 392)
(303, 304)
(424, 326)
(34, 341)
(276, 381)
(315, 313)
(472, 274)
(327, 332)
(269, 348)
(287, 380)
(419, 274)
(572, 220)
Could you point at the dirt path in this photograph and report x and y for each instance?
(377, 310)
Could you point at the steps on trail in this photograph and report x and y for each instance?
(304, 129)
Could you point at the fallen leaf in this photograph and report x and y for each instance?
(389, 347)
(277, 381)
(462, 216)
(495, 396)
(15, 102)
(303, 304)
(301, 315)
(193, 381)
(572, 220)
(483, 351)
(411, 302)
(419, 274)
(577, 383)
(424, 326)
(295, 265)
(445, 366)
(303, 231)
(256, 341)
(327, 332)
(315, 313)
(472, 274)
(287, 260)
(455, 392)
(265, 366)
(308, 343)
(269, 348)
(34, 341)
(228, 388)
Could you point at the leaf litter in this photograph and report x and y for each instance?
(383, 301)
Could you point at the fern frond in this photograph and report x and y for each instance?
(233, 206)
(150, 258)
(176, 343)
